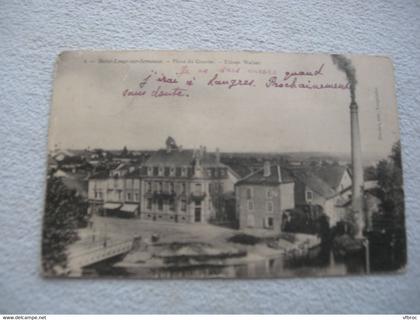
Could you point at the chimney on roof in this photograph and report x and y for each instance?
(217, 155)
(267, 168)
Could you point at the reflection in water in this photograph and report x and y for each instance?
(324, 264)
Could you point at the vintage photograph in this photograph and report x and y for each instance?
(189, 164)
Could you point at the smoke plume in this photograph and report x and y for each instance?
(345, 65)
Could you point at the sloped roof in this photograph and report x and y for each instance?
(278, 175)
(313, 182)
(331, 174)
(176, 158)
(239, 169)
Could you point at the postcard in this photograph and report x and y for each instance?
(185, 164)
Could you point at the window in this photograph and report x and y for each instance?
(149, 187)
(250, 205)
(269, 206)
(197, 188)
(96, 194)
(119, 194)
(309, 195)
(184, 172)
(269, 194)
(149, 171)
(171, 205)
(209, 172)
(149, 204)
(129, 196)
(269, 222)
(248, 193)
(183, 205)
(160, 204)
(136, 196)
(160, 186)
(160, 171)
(172, 171)
(171, 187)
(183, 187)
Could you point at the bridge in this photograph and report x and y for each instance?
(98, 252)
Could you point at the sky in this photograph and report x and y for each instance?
(89, 108)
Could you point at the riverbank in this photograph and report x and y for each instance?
(162, 245)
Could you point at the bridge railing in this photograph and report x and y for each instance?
(101, 252)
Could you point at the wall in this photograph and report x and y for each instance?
(34, 32)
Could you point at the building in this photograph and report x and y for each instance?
(183, 185)
(328, 187)
(115, 192)
(263, 196)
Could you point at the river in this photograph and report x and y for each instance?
(321, 265)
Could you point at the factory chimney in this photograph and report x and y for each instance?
(357, 208)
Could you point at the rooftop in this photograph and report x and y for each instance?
(312, 181)
(178, 158)
(331, 174)
(277, 176)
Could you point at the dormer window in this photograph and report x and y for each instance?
(149, 171)
(160, 171)
(172, 171)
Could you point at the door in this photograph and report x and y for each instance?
(197, 215)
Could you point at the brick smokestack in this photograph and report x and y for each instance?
(357, 212)
(357, 170)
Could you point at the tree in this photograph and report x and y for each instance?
(387, 239)
(64, 211)
(390, 183)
